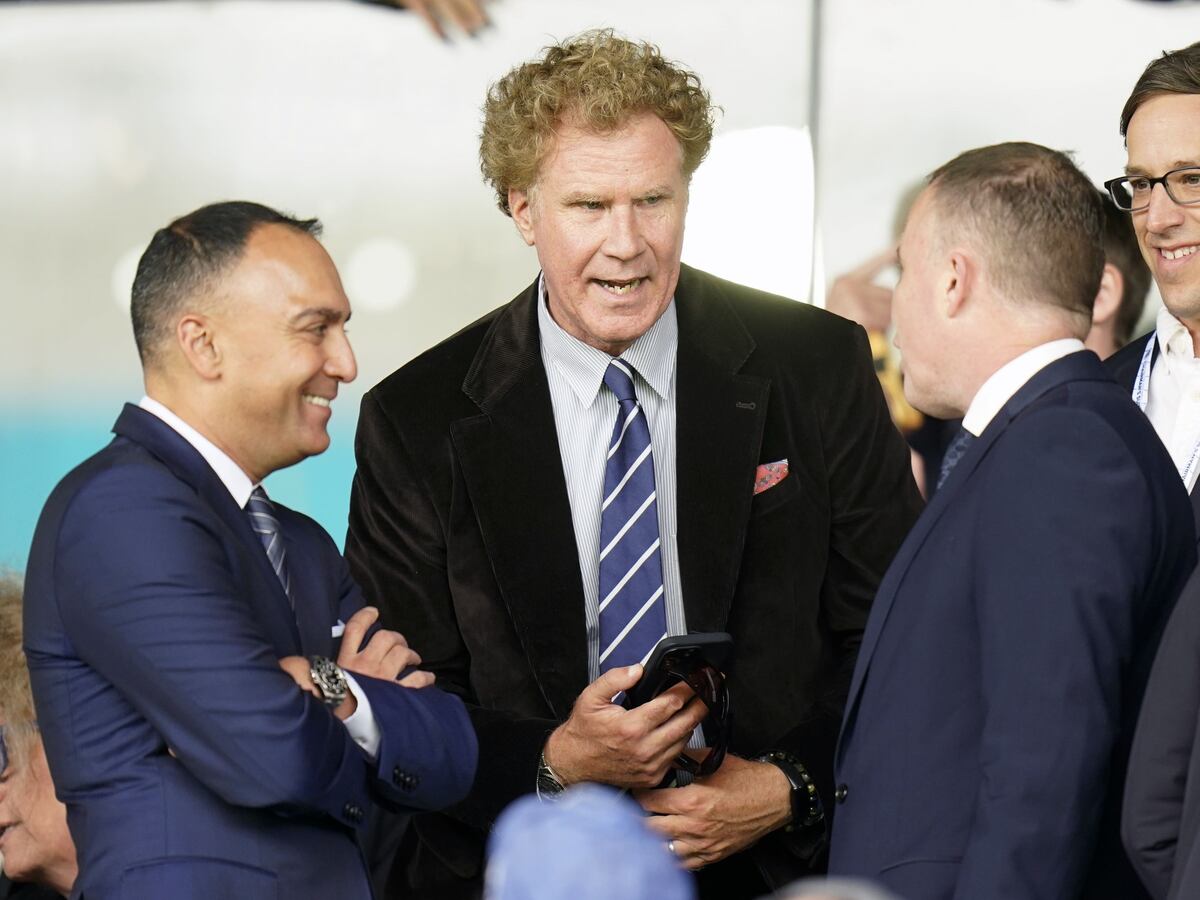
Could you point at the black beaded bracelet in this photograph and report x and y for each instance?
(807, 809)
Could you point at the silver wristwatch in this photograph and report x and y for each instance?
(549, 785)
(330, 681)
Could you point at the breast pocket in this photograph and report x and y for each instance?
(775, 496)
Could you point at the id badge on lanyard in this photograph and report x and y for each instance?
(1141, 396)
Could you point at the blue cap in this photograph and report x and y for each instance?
(591, 843)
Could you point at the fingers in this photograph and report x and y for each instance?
(611, 683)
(466, 14)
(356, 629)
(298, 668)
(673, 711)
(422, 9)
(418, 679)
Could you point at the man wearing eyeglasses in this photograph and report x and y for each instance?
(1161, 190)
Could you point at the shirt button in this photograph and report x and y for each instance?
(841, 793)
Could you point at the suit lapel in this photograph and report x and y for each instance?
(1076, 366)
(269, 601)
(512, 467)
(719, 426)
(314, 612)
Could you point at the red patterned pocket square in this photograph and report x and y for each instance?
(768, 475)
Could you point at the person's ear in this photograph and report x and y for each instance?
(961, 273)
(1108, 297)
(196, 337)
(520, 204)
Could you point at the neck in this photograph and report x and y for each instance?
(199, 418)
(1101, 341)
(61, 874)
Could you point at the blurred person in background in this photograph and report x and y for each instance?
(218, 707)
(856, 295)
(1161, 188)
(760, 489)
(592, 844)
(994, 698)
(35, 845)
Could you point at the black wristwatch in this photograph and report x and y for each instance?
(330, 681)
(807, 809)
(549, 785)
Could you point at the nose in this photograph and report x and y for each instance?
(1163, 213)
(623, 238)
(340, 363)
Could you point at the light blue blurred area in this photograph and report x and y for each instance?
(37, 448)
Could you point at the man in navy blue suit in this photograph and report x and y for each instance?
(993, 699)
(218, 710)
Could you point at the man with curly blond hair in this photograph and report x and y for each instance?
(629, 449)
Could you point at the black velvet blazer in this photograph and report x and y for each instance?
(460, 531)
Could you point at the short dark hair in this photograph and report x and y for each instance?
(1122, 250)
(1175, 72)
(1039, 216)
(183, 259)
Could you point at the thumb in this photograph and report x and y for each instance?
(614, 681)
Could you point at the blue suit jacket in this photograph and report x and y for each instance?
(190, 763)
(1006, 654)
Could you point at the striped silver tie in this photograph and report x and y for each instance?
(632, 609)
(262, 519)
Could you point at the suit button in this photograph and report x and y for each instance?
(841, 793)
(353, 812)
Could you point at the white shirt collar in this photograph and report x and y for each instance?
(236, 481)
(583, 366)
(1010, 378)
(1174, 340)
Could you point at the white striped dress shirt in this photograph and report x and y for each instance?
(584, 413)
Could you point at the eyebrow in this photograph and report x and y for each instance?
(1178, 164)
(327, 313)
(574, 197)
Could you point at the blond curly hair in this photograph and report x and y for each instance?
(598, 81)
(16, 698)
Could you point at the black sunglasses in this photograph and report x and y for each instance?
(708, 683)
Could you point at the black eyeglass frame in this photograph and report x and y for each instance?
(708, 683)
(1111, 187)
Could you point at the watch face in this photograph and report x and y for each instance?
(329, 680)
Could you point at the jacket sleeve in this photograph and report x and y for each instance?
(148, 599)
(1164, 748)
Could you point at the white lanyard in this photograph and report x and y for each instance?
(1141, 396)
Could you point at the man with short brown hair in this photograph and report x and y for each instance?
(982, 752)
(629, 449)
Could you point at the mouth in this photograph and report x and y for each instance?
(323, 402)
(1178, 252)
(619, 288)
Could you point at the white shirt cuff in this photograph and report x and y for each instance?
(361, 724)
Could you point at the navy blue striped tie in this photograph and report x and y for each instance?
(262, 519)
(957, 450)
(632, 610)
